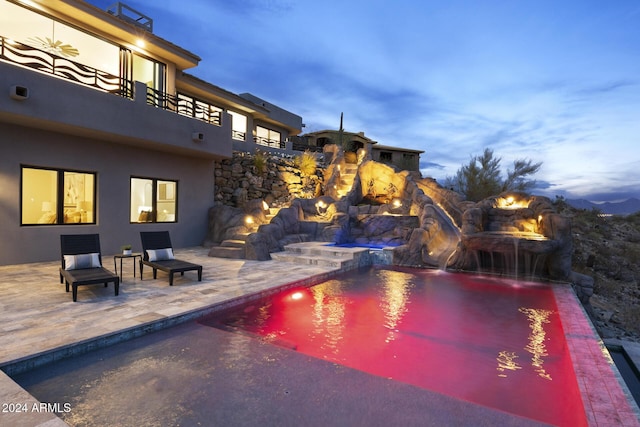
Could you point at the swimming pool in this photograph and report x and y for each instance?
(494, 342)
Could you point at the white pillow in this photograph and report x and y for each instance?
(76, 262)
(160, 254)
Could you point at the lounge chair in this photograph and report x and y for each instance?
(82, 263)
(157, 253)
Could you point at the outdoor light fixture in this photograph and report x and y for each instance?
(397, 203)
(321, 207)
(265, 206)
(19, 93)
(248, 220)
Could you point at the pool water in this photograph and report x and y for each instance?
(494, 342)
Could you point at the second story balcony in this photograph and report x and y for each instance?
(46, 93)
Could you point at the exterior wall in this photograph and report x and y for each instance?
(113, 164)
(397, 157)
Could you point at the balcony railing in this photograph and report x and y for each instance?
(269, 142)
(46, 62)
(190, 107)
(161, 99)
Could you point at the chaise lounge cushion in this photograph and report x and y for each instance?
(160, 254)
(76, 262)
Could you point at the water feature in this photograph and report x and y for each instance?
(495, 343)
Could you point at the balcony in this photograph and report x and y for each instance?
(46, 62)
(70, 98)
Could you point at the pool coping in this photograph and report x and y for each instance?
(593, 366)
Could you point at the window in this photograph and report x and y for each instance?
(153, 200)
(266, 136)
(386, 157)
(54, 196)
(238, 126)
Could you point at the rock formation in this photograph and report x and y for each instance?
(368, 202)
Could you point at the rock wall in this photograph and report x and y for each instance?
(240, 180)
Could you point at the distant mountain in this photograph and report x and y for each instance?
(626, 207)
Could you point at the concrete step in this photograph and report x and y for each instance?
(350, 169)
(233, 243)
(241, 237)
(322, 253)
(227, 252)
(314, 260)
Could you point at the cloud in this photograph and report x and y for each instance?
(555, 85)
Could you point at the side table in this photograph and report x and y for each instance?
(121, 257)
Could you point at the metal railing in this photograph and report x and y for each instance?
(269, 142)
(240, 136)
(190, 107)
(46, 62)
(161, 99)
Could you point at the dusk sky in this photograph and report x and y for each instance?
(557, 82)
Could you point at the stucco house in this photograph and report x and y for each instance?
(102, 131)
(403, 158)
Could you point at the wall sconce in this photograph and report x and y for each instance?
(197, 136)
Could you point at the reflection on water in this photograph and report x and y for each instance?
(506, 362)
(394, 299)
(537, 318)
(536, 345)
(328, 313)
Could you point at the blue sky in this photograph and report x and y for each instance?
(557, 82)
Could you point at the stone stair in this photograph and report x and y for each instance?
(235, 248)
(231, 248)
(347, 175)
(322, 253)
(272, 213)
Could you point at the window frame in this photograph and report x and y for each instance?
(60, 202)
(154, 199)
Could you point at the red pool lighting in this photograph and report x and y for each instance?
(475, 338)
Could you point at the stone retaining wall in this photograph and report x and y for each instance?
(238, 180)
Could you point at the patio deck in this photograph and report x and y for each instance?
(39, 323)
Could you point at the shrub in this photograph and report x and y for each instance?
(306, 162)
(260, 162)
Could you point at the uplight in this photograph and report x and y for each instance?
(248, 219)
